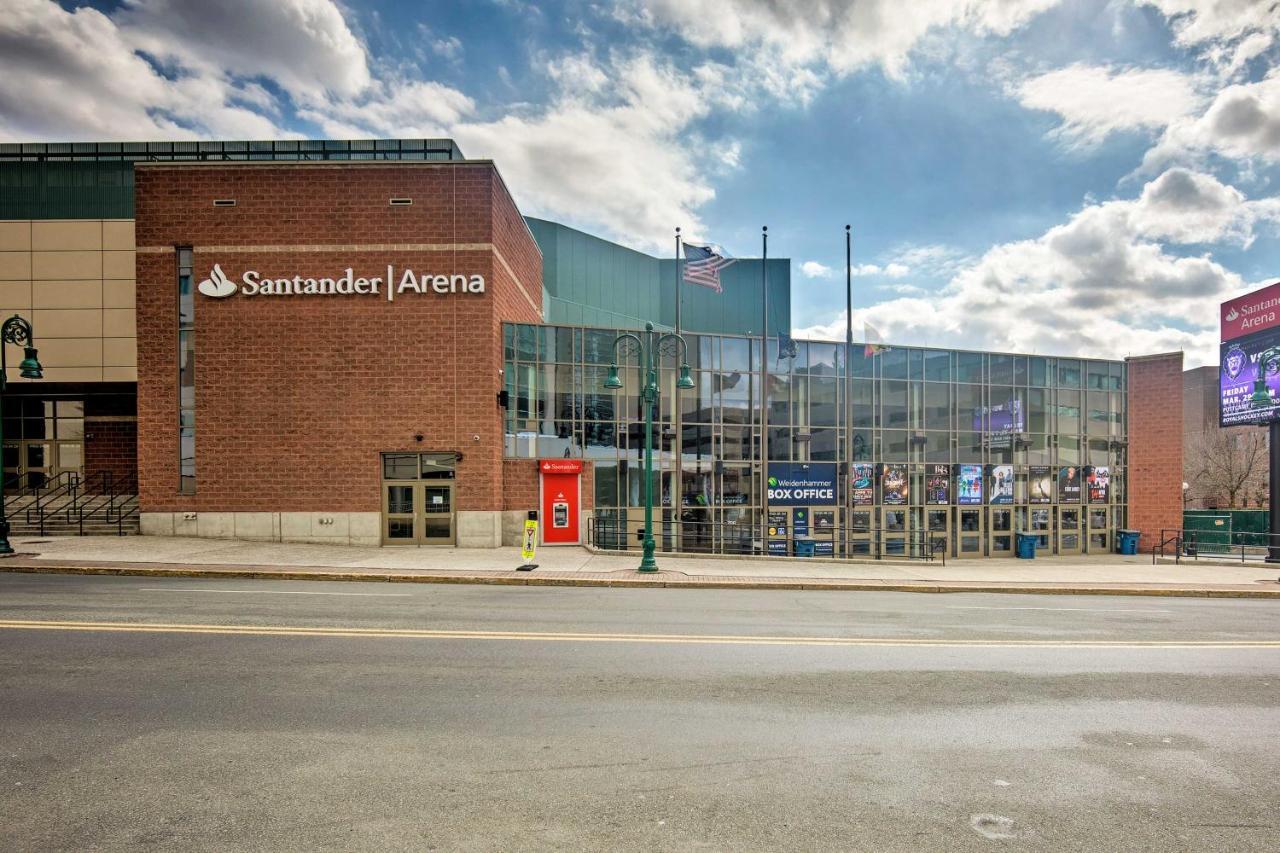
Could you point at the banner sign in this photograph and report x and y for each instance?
(937, 484)
(799, 521)
(1003, 418)
(1099, 480)
(802, 483)
(893, 485)
(1250, 313)
(969, 484)
(1040, 484)
(1238, 373)
(862, 484)
(1069, 485)
(1002, 485)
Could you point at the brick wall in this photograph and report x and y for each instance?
(520, 484)
(111, 447)
(1155, 445)
(296, 396)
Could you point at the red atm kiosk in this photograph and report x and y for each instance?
(561, 501)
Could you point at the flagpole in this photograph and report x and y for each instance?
(764, 387)
(848, 384)
(679, 286)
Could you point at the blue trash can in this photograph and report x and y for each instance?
(1127, 541)
(804, 547)
(1026, 546)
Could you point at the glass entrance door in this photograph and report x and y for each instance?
(1069, 530)
(437, 514)
(417, 514)
(894, 527)
(937, 523)
(400, 515)
(1099, 529)
(968, 532)
(1000, 532)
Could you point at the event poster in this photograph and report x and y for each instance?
(969, 484)
(1099, 480)
(862, 483)
(893, 487)
(1002, 485)
(1040, 484)
(1069, 485)
(937, 484)
(1238, 377)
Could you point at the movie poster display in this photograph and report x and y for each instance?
(1069, 485)
(1002, 485)
(1040, 484)
(862, 484)
(1242, 398)
(893, 486)
(937, 484)
(1099, 481)
(969, 485)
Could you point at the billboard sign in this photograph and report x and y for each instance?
(1069, 485)
(969, 485)
(1251, 313)
(1242, 398)
(1040, 484)
(802, 483)
(1002, 418)
(1099, 480)
(893, 486)
(862, 484)
(937, 484)
(1002, 485)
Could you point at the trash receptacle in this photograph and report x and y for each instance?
(1127, 541)
(1026, 546)
(804, 547)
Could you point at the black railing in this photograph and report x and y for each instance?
(72, 499)
(1214, 544)
(717, 537)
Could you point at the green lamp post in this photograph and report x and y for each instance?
(14, 331)
(651, 348)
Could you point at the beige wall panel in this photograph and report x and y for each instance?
(66, 235)
(62, 374)
(67, 294)
(120, 352)
(118, 264)
(119, 323)
(69, 352)
(15, 235)
(16, 293)
(117, 234)
(68, 323)
(15, 266)
(51, 265)
(119, 293)
(119, 374)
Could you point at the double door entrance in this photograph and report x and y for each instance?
(418, 499)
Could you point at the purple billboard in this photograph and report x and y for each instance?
(1003, 417)
(1238, 385)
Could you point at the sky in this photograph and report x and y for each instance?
(1048, 176)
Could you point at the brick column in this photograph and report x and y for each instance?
(1155, 445)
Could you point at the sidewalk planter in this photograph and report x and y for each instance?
(1127, 541)
(1026, 546)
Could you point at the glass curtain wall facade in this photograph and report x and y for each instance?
(959, 448)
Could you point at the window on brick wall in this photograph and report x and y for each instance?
(186, 375)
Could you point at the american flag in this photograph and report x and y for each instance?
(702, 265)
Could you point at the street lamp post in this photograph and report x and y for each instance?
(651, 348)
(14, 331)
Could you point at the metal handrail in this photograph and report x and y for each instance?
(1195, 544)
(76, 490)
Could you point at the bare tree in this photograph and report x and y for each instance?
(1227, 467)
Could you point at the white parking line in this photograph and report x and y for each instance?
(1078, 609)
(273, 592)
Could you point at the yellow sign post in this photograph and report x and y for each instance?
(529, 546)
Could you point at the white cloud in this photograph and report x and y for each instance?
(813, 269)
(1243, 122)
(1095, 102)
(1228, 32)
(1105, 283)
(865, 269)
(896, 270)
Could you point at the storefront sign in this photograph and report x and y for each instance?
(802, 483)
(1238, 373)
(778, 524)
(937, 484)
(862, 484)
(346, 283)
(1040, 484)
(799, 521)
(893, 485)
(1069, 485)
(969, 485)
(1099, 481)
(1250, 313)
(1002, 485)
(561, 466)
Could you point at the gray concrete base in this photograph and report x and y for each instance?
(478, 529)
(321, 528)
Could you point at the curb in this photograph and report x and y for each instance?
(645, 583)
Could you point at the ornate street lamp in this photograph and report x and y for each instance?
(651, 348)
(14, 331)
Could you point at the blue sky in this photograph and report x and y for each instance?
(1031, 175)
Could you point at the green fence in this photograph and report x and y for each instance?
(1218, 530)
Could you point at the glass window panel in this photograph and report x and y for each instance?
(969, 447)
(937, 366)
(37, 455)
(1068, 450)
(861, 448)
(1069, 411)
(70, 408)
(937, 406)
(33, 428)
(399, 528)
(780, 440)
(735, 354)
(738, 443)
(187, 461)
(606, 483)
(69, 428)
(1068, 373)
(863, 408)
(1004, 369)
(526, 343)
(822, 445)
(400, 466)
(895, 404)
(824, 396)
(779, 398)
(1037, 410)
(895, 445)
(737, 486)
(70, 455)
(438, 466)
(937, 447)
(696, 443)
(400, 499)
(597, 346)
(11, 457)
(186, 302)
(822, 359)
(893, 363)
(734, 393)
(968, 367)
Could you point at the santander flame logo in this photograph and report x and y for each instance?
(217, 284)
(1233, 315)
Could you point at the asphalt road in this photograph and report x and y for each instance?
(386, 716)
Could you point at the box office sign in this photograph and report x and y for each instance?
(802, 483)
(342, 283)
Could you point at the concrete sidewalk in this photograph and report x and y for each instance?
(147, 555)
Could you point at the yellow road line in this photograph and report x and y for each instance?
(564, 636)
